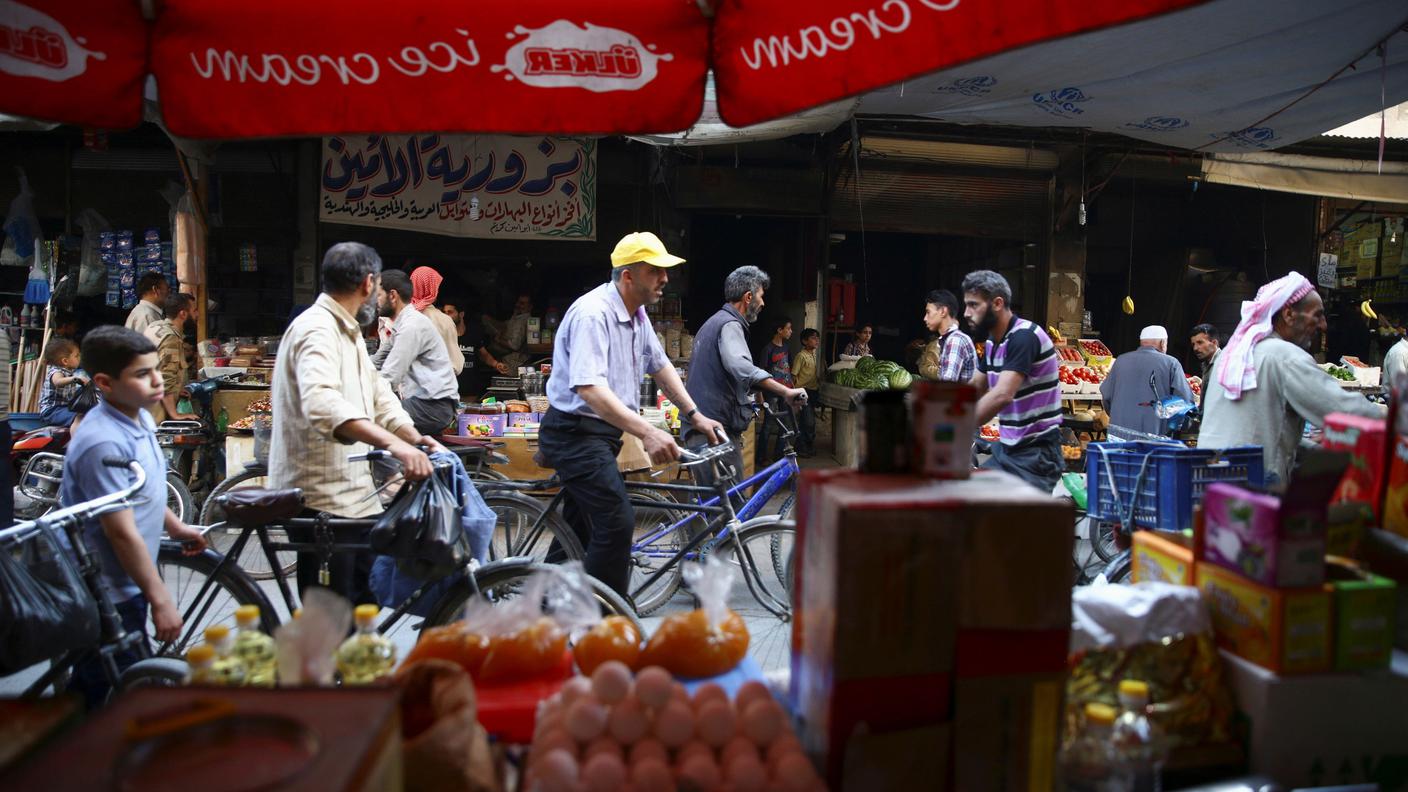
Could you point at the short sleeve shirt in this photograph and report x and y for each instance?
(106, 433)
(600, 343)
(1036, 410)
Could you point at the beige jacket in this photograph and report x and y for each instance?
(445, 326)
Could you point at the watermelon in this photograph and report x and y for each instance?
(865, 364)
(901, 379)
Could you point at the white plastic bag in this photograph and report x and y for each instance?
(92, 274)
(1119, 617)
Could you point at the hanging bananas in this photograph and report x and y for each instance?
(1367, 310)
(1128, 306)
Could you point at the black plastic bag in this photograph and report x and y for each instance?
(86, 398)
(396, 530)
(439, 545)
(45, 608)
(422, 527)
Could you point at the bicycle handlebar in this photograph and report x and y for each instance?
(98, 506)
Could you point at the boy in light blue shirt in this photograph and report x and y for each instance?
(124, 366)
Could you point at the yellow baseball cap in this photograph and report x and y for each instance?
(639, 246)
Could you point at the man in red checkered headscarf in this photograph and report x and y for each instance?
(425, 283)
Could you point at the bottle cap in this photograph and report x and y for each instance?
(200, 654)
(247, 615)
(1134, 687)
(216, 632)
(1100, 714)
(366, 612)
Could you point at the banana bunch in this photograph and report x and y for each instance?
(1055, 335)
(1128, 306)
(1367, 310)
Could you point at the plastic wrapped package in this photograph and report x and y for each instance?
(1160, 634)
(704, 642)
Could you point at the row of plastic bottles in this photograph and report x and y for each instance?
(250, 657)
(1117, 751)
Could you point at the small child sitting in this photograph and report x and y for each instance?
(62, 382)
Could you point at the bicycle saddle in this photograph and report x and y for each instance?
(255, 506)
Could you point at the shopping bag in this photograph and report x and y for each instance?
(45, 608)
(86, 398)
(394, 532)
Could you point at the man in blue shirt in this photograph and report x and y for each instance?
(124, 367)
(602, 349)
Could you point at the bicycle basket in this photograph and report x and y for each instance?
(45, 607)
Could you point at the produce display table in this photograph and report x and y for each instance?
(845, 420)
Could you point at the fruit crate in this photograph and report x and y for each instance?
(1162, 483)
(1095, 352)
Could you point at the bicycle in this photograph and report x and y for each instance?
(212, 592)
(478, 460)
(113, 637)
(658, 551)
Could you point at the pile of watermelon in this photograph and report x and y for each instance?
(872, 374)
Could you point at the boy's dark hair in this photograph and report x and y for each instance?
(780, 323)
(109, 349)
(394, 280)
(809, 334)
(176, 302)
(943, 298)
(147, 283)
(57, 349)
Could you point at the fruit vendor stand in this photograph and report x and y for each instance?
(847, 382)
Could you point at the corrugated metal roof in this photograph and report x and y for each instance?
(1394, 119)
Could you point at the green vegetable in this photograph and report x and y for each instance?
(901, 379)
(865, 364)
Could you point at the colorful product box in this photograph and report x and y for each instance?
(519, 419)
(1162, 558)
(1364, 606)
(482, 425)
(1395, 509)
(1287, 631)
(1258, 537)
(943, 422)
(1367, 440)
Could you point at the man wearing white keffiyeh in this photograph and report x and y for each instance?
(1266, 385)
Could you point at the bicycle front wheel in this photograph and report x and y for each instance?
(764, 549)
(252, 560)
(205, 596)
(659, 535)
(502, 581)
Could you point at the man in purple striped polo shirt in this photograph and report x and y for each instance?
(1018, 379)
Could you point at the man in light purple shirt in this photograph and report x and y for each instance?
(602, 349)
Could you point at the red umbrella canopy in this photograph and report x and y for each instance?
(260, 68)
(772, 59)
(75, 61)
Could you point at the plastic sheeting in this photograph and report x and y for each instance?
(1203, 79)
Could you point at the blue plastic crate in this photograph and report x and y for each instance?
(1162, 482)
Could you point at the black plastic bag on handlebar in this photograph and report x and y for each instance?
(396, 530)
(45, 607)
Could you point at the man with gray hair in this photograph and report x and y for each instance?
(722, 375)
(330, 403)
(1018, 377)
(1139, 379)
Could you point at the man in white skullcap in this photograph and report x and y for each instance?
(1141, 377)
(1265, 385)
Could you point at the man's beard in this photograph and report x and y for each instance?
(752, 315)
(982, 329)
(367, 312)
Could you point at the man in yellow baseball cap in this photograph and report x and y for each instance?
(603, 348)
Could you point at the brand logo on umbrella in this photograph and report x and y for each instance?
(1061, 102)
(1158, 124)
(33, 44)
(1251, 137)
(564, 55)
(969, 86)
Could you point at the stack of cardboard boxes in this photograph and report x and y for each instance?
(931, 632)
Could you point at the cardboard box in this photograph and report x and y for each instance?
(356, 734)
(905, 759)
(519, 419)
(1285, 630)
(1008, 704)
(1395, 509)
(1364, 608)
(1367, 440)
(472, 425)
(1262, 538)
(890, 568)
(1326, 729)
(1162, 558)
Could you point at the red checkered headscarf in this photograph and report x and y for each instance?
(425, 287)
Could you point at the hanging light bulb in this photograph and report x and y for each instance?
(1080, 216)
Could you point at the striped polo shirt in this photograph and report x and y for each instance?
(1036, 410)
